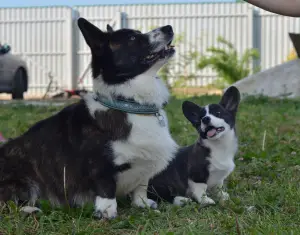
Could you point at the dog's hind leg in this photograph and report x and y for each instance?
(20, 194)
(33, 194)
(6, 192)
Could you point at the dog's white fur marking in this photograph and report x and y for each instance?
(149, 147)
(198, 192)
(180, 201)
(144, 88)
(222, 154)
(30, 209)
(223, 148)
(156, 39)
(217, 122)
(139, 197)
(107, 208)
(93, 105)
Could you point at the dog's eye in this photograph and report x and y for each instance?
(218, 114)
(132, 38)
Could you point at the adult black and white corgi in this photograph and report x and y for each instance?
(108, 144)
(207, 163)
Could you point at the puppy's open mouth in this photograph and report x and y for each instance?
(212, 131)
(167, 51)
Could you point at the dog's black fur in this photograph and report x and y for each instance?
(68, 158)
(190, 163)
(194, 163)
(32, 165)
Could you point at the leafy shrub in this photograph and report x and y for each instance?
(230, 67)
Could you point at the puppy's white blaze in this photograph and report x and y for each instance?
(180, 201)
(107, 207)
(216, 122)
(144, 88)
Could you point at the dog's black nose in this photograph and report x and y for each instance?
(167, 29)
(206, 120)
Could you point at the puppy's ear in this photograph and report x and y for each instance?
(192, 112)
(109, 29)
(231, 99)
(93, 36)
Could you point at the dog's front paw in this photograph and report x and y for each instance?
(206, 201)
(105, 208)
(143, 203)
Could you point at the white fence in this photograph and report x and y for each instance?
(50, 41)
(43, 37)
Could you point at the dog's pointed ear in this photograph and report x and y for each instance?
(109, 29)
(231, 99)
(192, 112)
(93, 36)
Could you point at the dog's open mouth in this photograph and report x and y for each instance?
(212, 131)
(167, 51)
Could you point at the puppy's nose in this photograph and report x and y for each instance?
(206, 120)
(167, 29)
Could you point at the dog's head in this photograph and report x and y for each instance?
(214, 120)
(121, 55)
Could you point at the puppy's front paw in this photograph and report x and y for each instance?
(105, 208)
(206, 201)
(181, 201)
(143, 203)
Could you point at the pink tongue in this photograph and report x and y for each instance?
(211, 132)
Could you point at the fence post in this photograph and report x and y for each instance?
(251, 31)
(255, 33)
(69, 44)
(119, 21)
(124, 20)
(75, 37)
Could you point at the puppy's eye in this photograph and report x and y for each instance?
(132, 38)
(218, 114)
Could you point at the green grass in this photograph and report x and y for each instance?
(264, 188)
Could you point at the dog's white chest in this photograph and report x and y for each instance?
(148, 149)
(222, 164)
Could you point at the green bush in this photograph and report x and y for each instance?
(230, 67)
